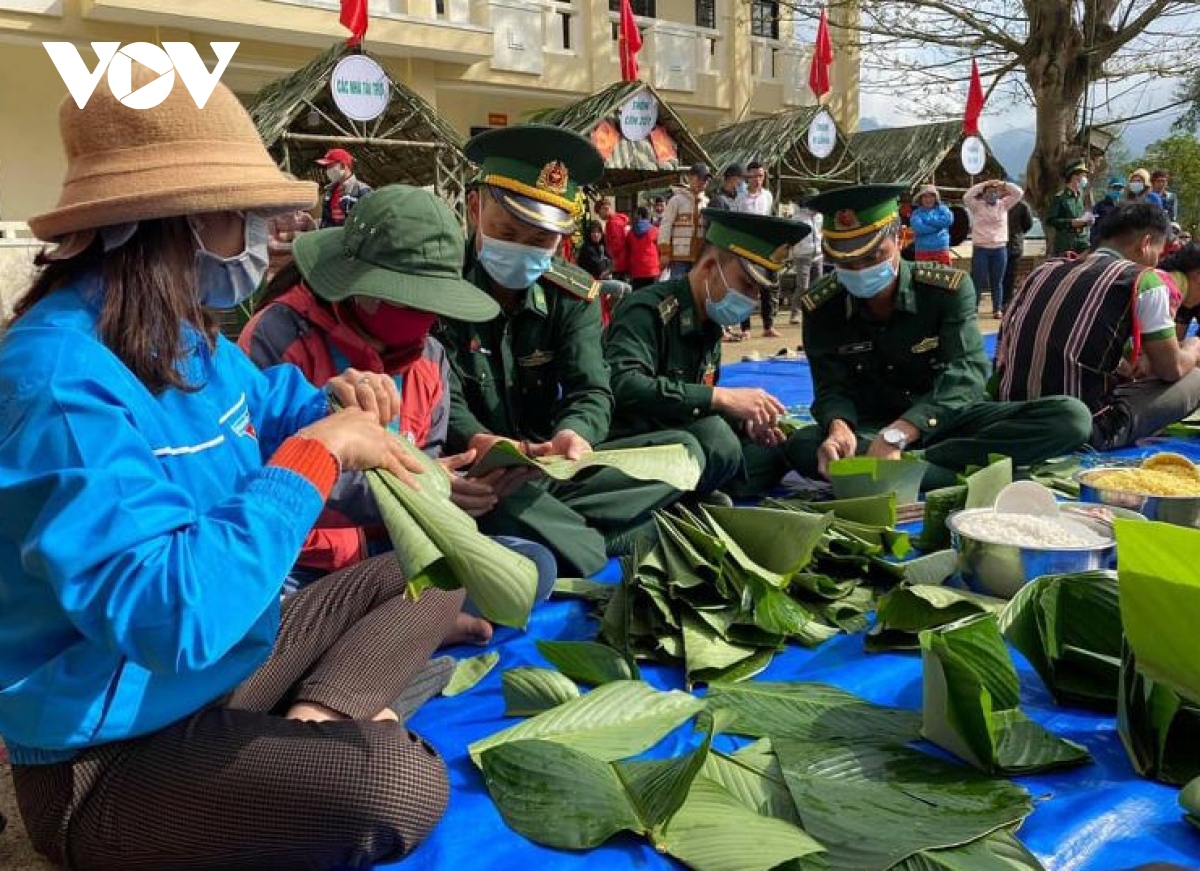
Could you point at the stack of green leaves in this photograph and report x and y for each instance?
(832, 785)
(971, 703)
(1158, 709)
(1189, 800)
(670, 464)
(1069, 628)
(437, 544)
(902, 614)
(978, 489)
(724, 589)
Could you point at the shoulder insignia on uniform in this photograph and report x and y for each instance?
(936, 275)
(825, 289)
(570, 278)
(668, 308)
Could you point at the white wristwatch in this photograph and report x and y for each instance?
(895, 437)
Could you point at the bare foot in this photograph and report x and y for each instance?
(314, 713)
(387, 715)
(469, 630)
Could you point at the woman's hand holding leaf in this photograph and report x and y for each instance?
(355, 437)
(368, 391)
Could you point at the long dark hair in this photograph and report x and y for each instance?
(1186, 259)
(149, 295)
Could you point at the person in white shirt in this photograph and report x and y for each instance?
(807, 259)
(756, 199)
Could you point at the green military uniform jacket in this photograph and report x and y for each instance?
(1067, 206)
(923, 365)
(665, 360)
(536, 369)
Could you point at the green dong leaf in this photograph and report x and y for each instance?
(530, 691)
(589, 663)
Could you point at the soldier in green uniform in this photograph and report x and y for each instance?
(535, 375)
(897, 358)
(664, 348)
(1067, 217)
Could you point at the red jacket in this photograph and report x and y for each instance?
(616, 231)
(298, 328)
(643, 254)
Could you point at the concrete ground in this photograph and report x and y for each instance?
(16, 854)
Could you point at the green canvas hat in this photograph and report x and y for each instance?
(1073, 167)
(535, 171)
(857, 218)
(401, 245)
(764, 244)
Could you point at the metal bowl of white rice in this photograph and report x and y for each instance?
(1000, 553)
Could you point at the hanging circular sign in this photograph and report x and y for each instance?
(822, 135)
(639, 116)
(361, 89)
(974, 155)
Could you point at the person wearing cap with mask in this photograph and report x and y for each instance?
(1067, 216)
(1112, 199)
(680, 235)
(664, 349)
(898, 362)
(366, 296)
(344, 190)
(535, 374)
(161, 707)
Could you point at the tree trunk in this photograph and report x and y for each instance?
(1056, 70)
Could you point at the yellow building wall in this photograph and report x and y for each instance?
(32, 163)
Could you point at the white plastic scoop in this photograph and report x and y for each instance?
(1027, 497)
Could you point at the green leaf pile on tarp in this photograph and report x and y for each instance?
(1069, 628)
(1159, 728)
(437, 544)
(724, 589)
(1158, 709)
(971, 697)
(838, 791)
(670, 464)
(1059, 475)
(469, 672)
(979, 489)
(873, 805)
(903, 613)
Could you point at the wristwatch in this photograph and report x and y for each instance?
(895, 437)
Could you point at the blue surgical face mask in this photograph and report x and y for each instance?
(226, 282)
(512, 265)
(991, 199)
(867, 283)
(731, 309)
(1114, 193)
(1136, 187)
(742, 187)
(1083, 183)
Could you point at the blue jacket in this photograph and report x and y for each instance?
(143, 542)
(931, 228)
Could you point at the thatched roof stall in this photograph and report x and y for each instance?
(921, 154)
(409, 143)
(659, 157)
(780, 142)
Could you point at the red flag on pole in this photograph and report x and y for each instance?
(818, 71)
(354, 19)
(974, 103)
(630, 43)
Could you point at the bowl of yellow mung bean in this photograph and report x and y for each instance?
(1163, 487)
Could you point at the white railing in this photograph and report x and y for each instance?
(673, 54)
(768, 58)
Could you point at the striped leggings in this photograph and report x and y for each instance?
(236, 785)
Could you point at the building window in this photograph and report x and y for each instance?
(764, 18)
(641, 8)
(706, 14)
(439, 7)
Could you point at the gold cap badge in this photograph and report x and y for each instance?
(553, 177)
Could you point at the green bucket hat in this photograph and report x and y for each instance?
(401, 245)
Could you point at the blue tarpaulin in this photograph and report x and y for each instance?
(1100, 817)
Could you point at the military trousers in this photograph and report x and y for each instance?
(575, 518)
(1029, 432)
